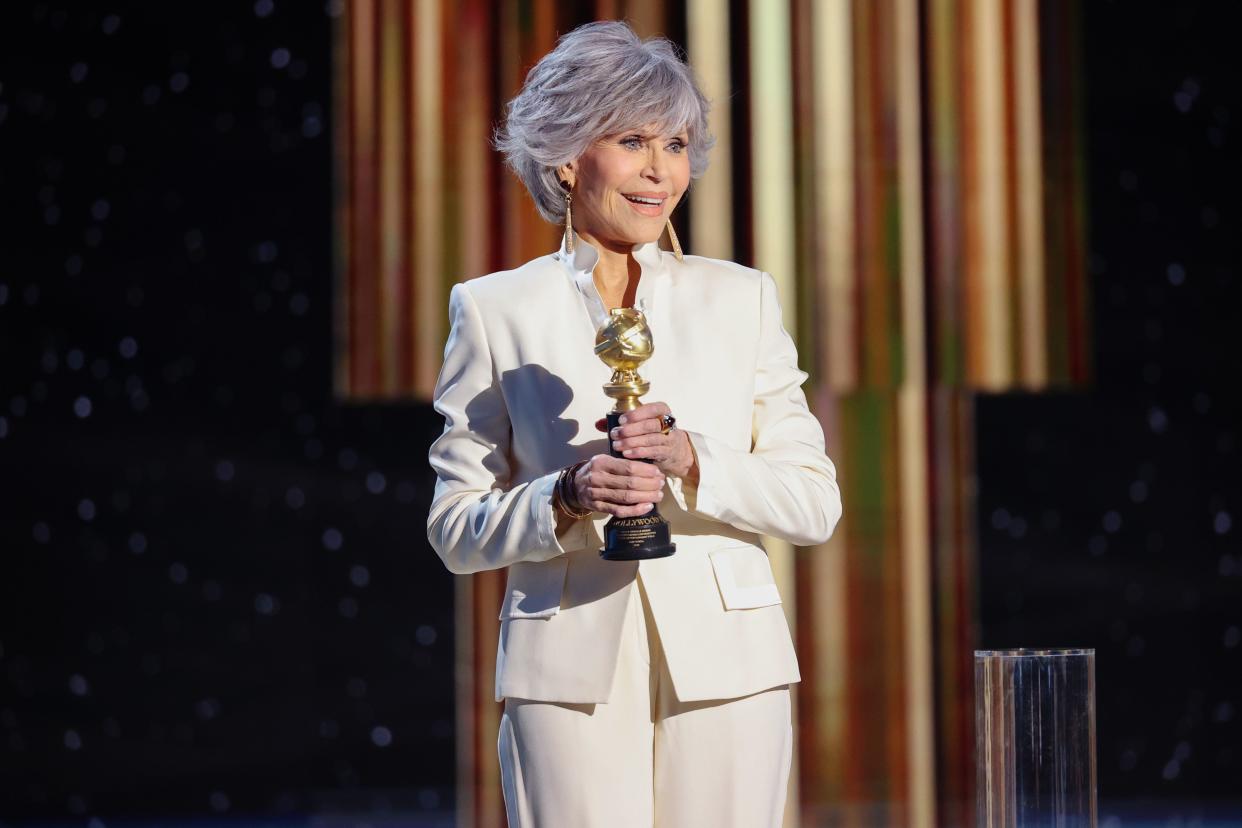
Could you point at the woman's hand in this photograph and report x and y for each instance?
(640, 437)
(625, 488)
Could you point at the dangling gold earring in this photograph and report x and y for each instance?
(672, 237)
(569, 221)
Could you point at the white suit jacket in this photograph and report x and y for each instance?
(520, 391)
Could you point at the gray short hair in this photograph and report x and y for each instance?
(600, 80)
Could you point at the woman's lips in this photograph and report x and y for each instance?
(647, 205)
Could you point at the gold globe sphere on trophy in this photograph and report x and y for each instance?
(624, 343)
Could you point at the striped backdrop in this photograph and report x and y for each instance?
(910, 171)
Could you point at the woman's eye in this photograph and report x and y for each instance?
(676, 146)
(632, 143)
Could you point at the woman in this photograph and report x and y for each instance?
(636, 693)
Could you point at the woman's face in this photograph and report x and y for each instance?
(625, 186)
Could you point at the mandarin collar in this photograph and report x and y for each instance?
(580, 266)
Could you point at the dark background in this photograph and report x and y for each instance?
(215, 592)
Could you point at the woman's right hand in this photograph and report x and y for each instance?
(616, 486)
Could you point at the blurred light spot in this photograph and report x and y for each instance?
(75, 359)
(1112, 522)
(211, 590)
(347, 459)
(376, 482)
(329, 729)
(1171, 770)
(1232, 637)
(1222, 713)
(359, 575)
(110, 24)
(4, 427)
(151, 94)
(137, 543)
(267, 251)
(425, 635)
(177, 573)
(1222, 523)
(1017, 528)
(298, 304)
(1157, 420)
(264, 8)
(381, 736)
(313, 449)
(280, 58)
(1138, 491)
(332, 539)
(86, 509)
(1176, 274)
(178, 82)
(218, 801)
(101, 209)
(207, 709)
(128, 348)
(1097, 546)
(72, 740)
(294, 498)
(82, 407)
(78, 685)
(347, 607)
(266, 604)
(1000, 519)
(356, 688)
(78, 72)
(224, 471)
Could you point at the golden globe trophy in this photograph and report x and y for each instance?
(623, 342)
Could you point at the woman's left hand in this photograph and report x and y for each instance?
(640, 437)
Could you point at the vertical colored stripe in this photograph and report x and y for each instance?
(425, 207)
(710, 199)
(834, 269)
(989, 214)
(1029, 245)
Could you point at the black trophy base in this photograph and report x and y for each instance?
(637, 538)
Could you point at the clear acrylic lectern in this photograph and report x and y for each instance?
(1035, 738)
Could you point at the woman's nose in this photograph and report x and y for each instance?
(657, 165)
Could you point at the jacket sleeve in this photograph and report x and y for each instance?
(477, 520)
(785, 486)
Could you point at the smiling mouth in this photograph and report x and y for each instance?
(647, 200)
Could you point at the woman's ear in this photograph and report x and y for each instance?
(567, 175)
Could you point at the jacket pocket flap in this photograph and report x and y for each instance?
(534, 589)
(745, 577)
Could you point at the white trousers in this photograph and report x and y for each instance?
(645, 759)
